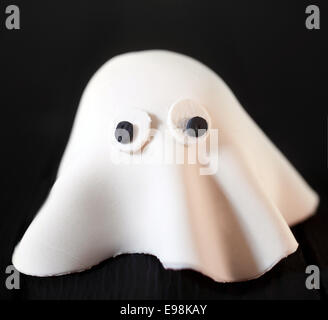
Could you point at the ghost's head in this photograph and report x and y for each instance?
(163, 160)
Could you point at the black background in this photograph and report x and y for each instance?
(275, 66)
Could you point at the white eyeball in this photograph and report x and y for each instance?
(188, 121)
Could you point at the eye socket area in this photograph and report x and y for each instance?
(130, 130)
(188, 121)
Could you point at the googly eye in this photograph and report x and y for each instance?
(188, 121)
(130, 130)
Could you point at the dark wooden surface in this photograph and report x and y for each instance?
(275, 66)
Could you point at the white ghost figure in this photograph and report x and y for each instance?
(231, 223)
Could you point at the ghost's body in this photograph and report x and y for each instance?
(230, 225)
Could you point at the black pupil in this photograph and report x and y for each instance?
(124, 132)
(196, 126)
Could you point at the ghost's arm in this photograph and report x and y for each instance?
(280, 181)
(71, 230)
(263, 161)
